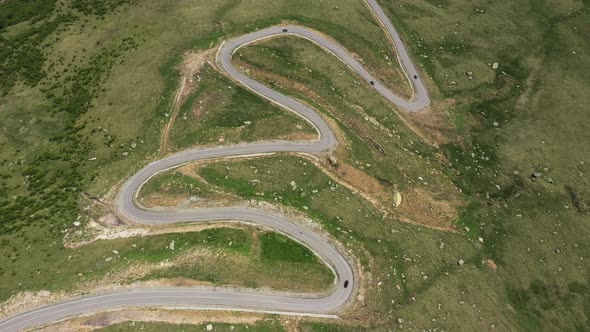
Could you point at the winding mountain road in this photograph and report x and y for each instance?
(240, 299)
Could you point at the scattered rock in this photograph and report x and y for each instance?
(171, 246)
(333, 160)
(247, 122)
(496, 124)
(293, 185)
(115, 252)
(133, 145)
(491, 264)
(397, 199)
(209, 327)
(550, 180)
(536, 175)
(77, 223)
(495, 65)
(460, 262)
(221, 140)
(480, 239)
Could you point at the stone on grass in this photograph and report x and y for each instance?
(397, 199)
(333, 160)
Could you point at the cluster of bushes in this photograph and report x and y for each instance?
(98, 8)
(51, 177)
(51, 180)
(75, 94)
(13, 11)
(22, 59)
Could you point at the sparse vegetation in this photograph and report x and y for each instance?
(174, 183)
(220, 109)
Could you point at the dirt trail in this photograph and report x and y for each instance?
(193, 62)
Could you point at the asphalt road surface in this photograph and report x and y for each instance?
(241, 299)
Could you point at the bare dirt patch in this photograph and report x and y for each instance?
(420, 207)
(101, 232)
(362, 181)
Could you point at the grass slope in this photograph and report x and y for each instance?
(219, 108)
(84, 92)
